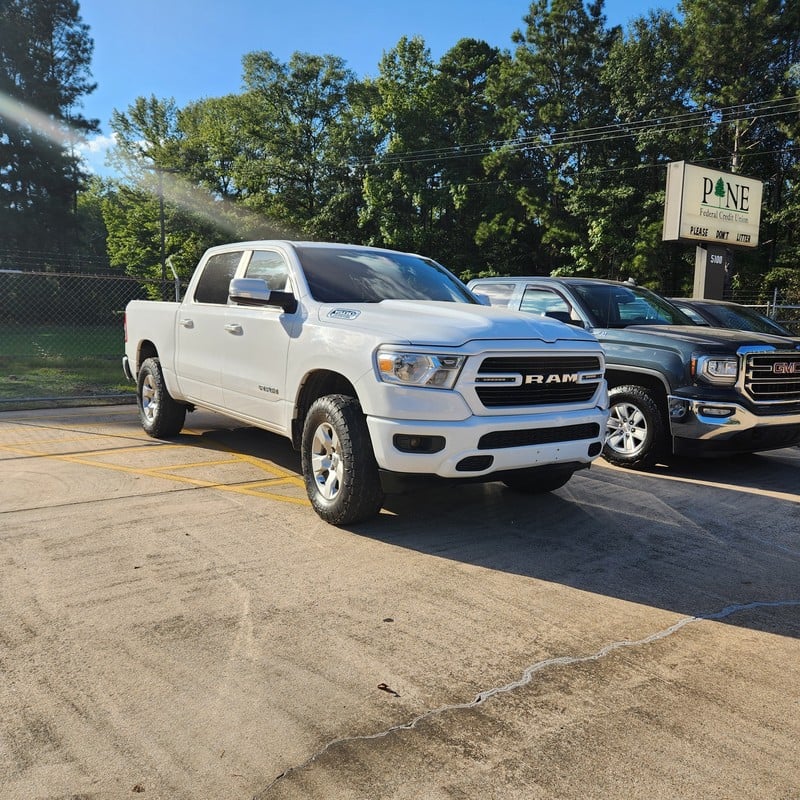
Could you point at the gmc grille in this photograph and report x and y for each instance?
(772, 377)
(537, 394)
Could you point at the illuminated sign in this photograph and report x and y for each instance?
(706, 205)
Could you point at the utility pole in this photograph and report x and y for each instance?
(163, 242)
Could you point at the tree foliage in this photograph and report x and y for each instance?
(45, 51)
(547, 157)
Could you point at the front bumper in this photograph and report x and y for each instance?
(477, 447)
(712, 427)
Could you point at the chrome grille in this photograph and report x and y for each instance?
(550, 392)
(772, 377)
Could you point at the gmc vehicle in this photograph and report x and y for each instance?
(379, 366)
(674, 387)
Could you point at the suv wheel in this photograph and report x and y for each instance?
(635, 432)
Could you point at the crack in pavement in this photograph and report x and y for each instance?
(527, 676)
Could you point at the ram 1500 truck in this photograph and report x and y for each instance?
(674, 387)
(379, 366)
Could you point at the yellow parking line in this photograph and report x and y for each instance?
(280, 477)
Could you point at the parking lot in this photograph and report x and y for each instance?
(176, 622)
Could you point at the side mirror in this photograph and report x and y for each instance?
(565, 317)
(255, 292)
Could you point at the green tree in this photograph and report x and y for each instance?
(428, 189)
(155, 217)
(655, 122)
(402, 186)
(45, 53)
(212, 149)
(740, 59)
(554, 103)
(473, 192)
(298, 123)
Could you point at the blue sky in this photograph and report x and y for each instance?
(188, 50)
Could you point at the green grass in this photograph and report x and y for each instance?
(61, 341)
(52, 361)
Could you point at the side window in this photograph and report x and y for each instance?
(216, 278)
(547, 303)
(499, 294)
(271, 267)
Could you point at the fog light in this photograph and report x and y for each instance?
(715, 411)
(595, 448)
(411, 443)
(677, 408)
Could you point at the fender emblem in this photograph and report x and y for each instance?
(343, 313)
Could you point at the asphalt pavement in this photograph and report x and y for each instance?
(176, 622)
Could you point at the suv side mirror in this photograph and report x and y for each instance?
(564, 316)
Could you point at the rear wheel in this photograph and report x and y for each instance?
(635, 431)
(537, 480)
(339, 467)
(161, 416)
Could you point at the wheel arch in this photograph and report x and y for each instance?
(652, 381)
(145, 350)
(317, 384)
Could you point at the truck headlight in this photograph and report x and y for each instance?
(419, 369)
(717, 369)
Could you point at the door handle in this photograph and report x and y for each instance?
(187, 323)
(234, 327)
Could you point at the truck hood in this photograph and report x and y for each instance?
(437, 324)
(696, 334)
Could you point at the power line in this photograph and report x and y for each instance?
(675, 123)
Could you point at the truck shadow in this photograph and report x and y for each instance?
(692, 537)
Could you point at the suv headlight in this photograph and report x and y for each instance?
(717, 369)
(418, 369)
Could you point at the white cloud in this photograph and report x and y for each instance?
(93, 153)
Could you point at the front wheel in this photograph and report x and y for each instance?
(537, 480)
(161, 416)
(635, 431)
(339, 467)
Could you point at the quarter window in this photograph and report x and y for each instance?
(270, 267)
(547, 303)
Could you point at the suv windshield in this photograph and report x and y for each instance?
(617, 306)
(368, 276)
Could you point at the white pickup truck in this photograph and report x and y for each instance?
(380, 367)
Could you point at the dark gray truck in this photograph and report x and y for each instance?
(674, 387)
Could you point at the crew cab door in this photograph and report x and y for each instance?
(199, 335)
(256, 346)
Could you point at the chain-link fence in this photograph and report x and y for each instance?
(780, 306)
(62, 335)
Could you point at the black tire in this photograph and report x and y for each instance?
(635, 432)
(339, 467)
(537, 480)
(161, 416)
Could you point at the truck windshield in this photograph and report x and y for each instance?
(617, 306)
(367, 276)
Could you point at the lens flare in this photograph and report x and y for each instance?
(172, 188)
